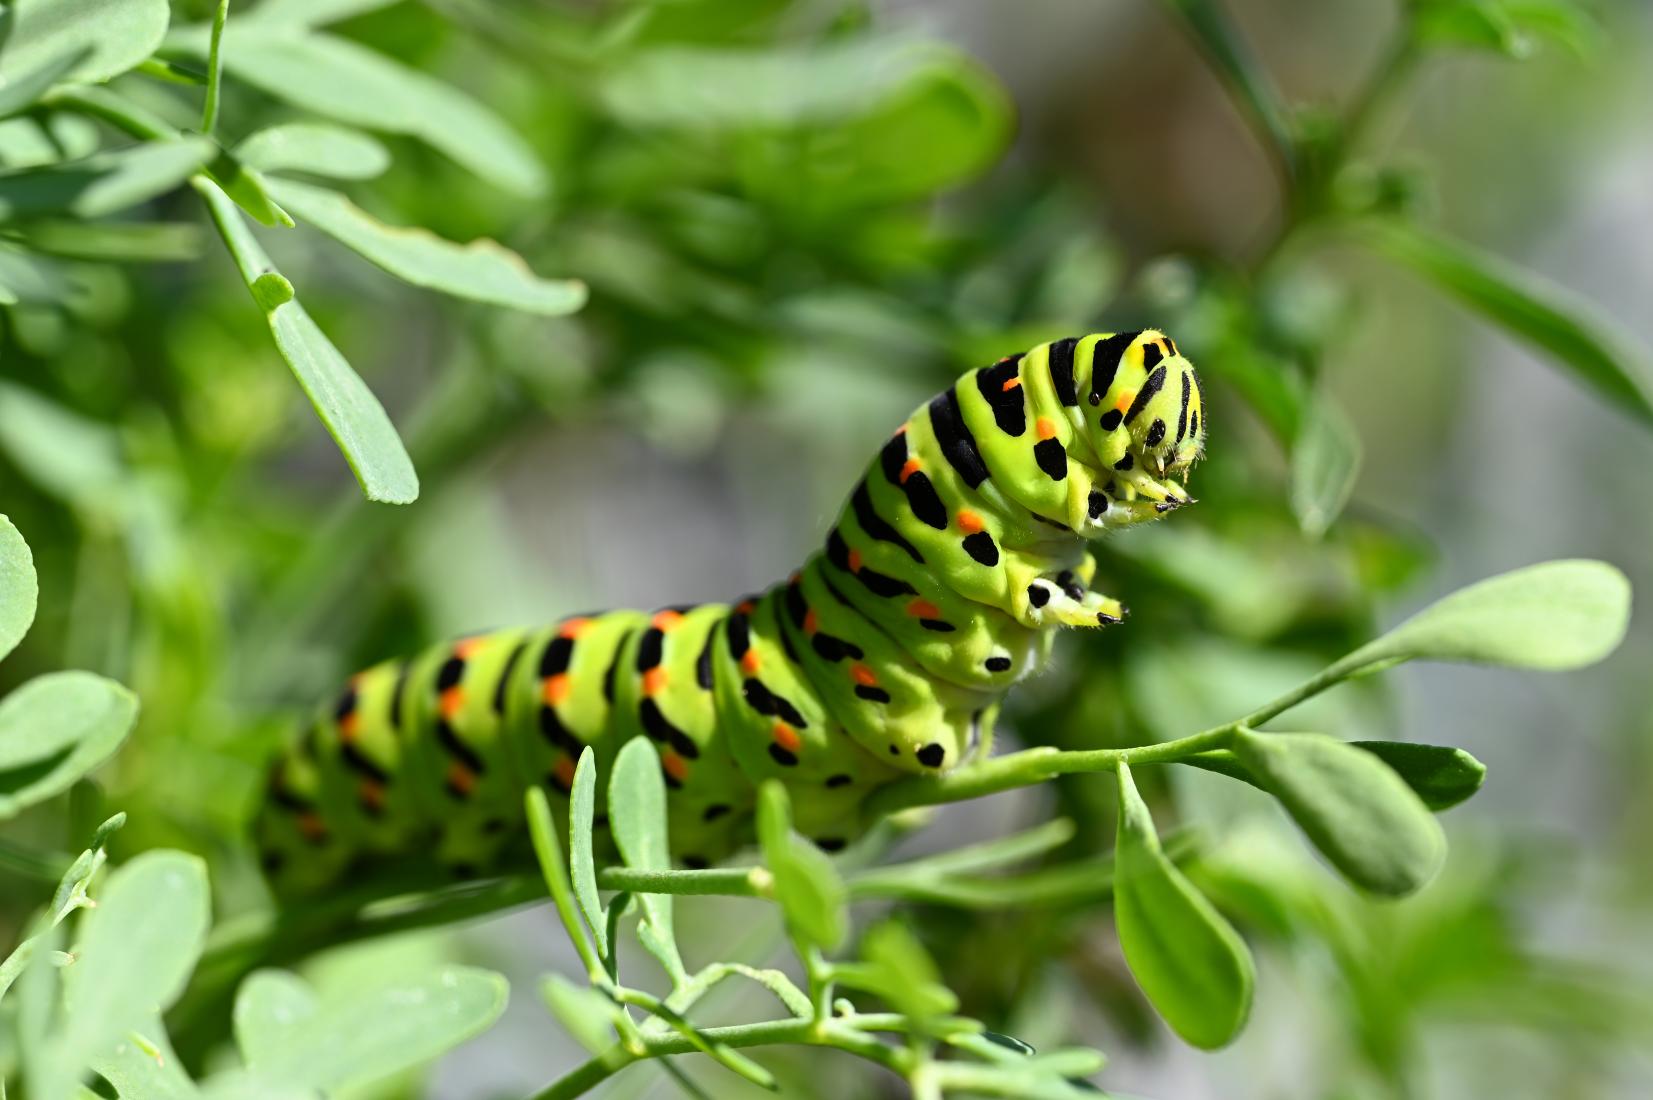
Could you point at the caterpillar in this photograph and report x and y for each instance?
(940, 585)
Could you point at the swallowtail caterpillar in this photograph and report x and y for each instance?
(940, 586)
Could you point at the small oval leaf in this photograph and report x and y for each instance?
(1441, 775)
(637, 818)
(19, 587)
(582, 864)
(1555, 615)
(56, 728)
(1357, 811)
(1193, 966)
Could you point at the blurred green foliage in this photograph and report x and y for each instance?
(785, 220)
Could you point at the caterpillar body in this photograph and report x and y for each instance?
(939, 587)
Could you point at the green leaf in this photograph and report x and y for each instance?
(1193, 966)
(289, 1035)
(346, 406)
(1325, 460)
(324, 150)
(1438, 774)
(907, 977)
(481, 270)
(1548, 316)
(588, 1016)
(1354, 807)
(19, 588)
(143, 1066)
(70, 895)
(581, 859)
(248, 190)
(20, 93)
(104, 182)
(542, 832)
(56, 728)
(637, 818)
(310, 13)
(1513, 28)
(136, 951)
(107, 37)
(807, 886)
(114, 242)
(1555, 615)
(342, 80)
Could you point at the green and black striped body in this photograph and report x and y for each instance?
(938, 588)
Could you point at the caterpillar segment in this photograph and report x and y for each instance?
(939, 587)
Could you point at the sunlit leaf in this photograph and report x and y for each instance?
(143, 1066)
(104, 182)
(295, 1038)
(1354, 807)
(345, 81)
(114, 242)
(1550, 317)
(323, 150)
(637, 818)
(19, 588)
(108, 37)
(581, 859)
(248, 190)
(807, 886)
(1555, 615)
(1325, 460)
(481, 270)
(346, 406)
(135, 952)
(56, 728)
(1193, 966)
(18, 93)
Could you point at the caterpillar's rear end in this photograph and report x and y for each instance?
(887, 654)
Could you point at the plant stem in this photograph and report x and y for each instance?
(215, 68)
(1021, 769)
(848, 1036)
(745, 882)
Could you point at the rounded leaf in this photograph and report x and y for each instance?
(19, 588)
(1555, 615)
(56, 728)
(1193, 966)
(1360, 814)
(806, 884)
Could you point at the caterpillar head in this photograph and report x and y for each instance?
(1147, 416)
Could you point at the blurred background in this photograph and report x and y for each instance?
(798, 220)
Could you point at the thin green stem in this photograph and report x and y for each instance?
(1030, 766)
(743, 882)
(850, 1036)
(171, 72)
(215, 67)
(1359, 663)
(103, 104)
(1259, 102)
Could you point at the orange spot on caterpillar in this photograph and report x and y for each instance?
(563, 769)
(1044, 428)
(861, 674)
(556, 689)
(1010, 384)
(350, 725)
(312, 826)
(749, 661)
(675, 765)
(901, 430)
(786, 737)
(1125, 400)
(461, 780)
(969, 522)
(854, 561)
(666, 620)
(745, 607)
(450, 703)
(371, 794)
(923, 609)
(909, 468)
(573, 628)
(812, 622)
(654, 680)
(466, 648)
